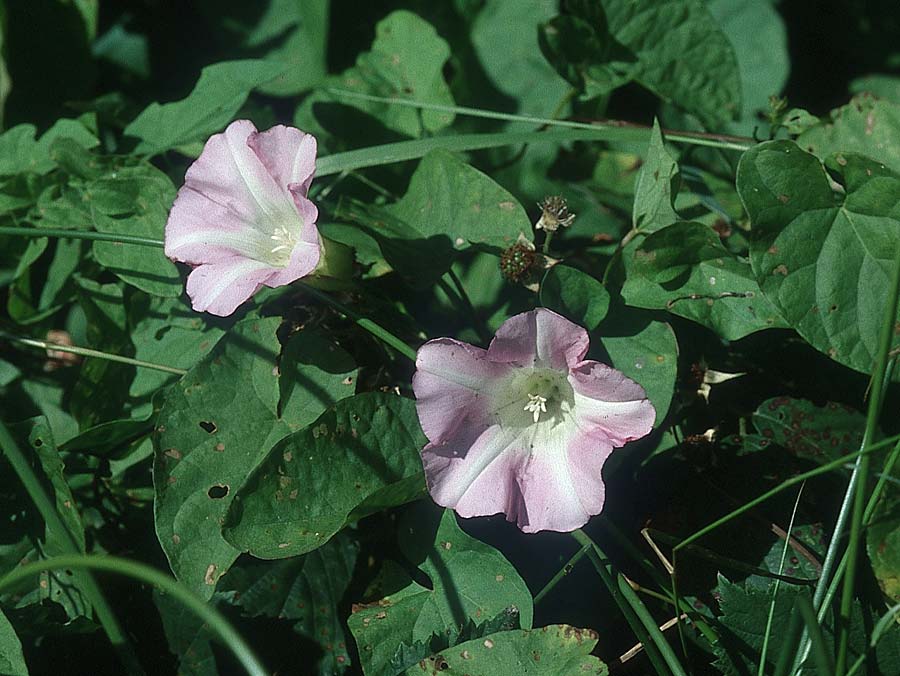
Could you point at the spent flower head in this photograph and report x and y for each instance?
(242, 218)
(524, 427)
(554, 214)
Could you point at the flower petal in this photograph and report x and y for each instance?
(539, 338)
(228, 172)
(454, 384)
(555, 495)
(218, 288)
(609, 405)
(288, 154)
(475, 474)
(202, 231)
(543, 478)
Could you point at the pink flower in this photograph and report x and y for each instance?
(242, 218)
(525, 426)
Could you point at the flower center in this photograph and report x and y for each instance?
(283, 244)
(534, 397)
(536, 405)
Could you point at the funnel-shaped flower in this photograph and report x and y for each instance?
(525, 426)
(242, 218)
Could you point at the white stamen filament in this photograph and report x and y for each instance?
(284, 241)
(536, 405)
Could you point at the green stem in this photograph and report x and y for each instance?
(382, 334)
(859, 503)
(55, 524)
(828, 583)
(658, 578)
(561, 573)
(793, 481)
(824, 600)
(401, 151)
(545, 248)
(81, 234)
(642, 623)
(771, 617)
(230, 638)
(886, 623)
(610, 127)
(87, 352)
(367, 324)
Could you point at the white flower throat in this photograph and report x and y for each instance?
(284, 242)
(534, 396)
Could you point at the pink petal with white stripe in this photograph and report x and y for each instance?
(524, 427)
(243, 213)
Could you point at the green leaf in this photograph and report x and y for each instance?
(12, 661)
(881, 86)
(685, 269)
(470, 579)
(124, 49)
(306, 590)
(504, 35)
(5, 83)
(187, 637)
(557, 650)
(575, 295)
(745, 611)
(406, 61)
(172, 334)
(20, 153)
(298, 33)
(449, 206)
(48, 398)
(29, 305)
(818, 433)
(408, 655)
(657, 185)
(358, 458)
(215, 426)
(602, 45)
(135, 201)
(448, 197)
(217, 96)
(866, 125)
(107, 331)
(823, 257)
(107, 439)
(796, 563)
(646, 351)
(56, 586)
(763, 72)
(883, 538)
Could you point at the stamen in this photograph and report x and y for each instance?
(284, 241)
(536, 405)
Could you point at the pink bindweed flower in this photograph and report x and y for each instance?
(525, 426)
(242, 218)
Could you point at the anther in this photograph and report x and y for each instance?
(536, 405)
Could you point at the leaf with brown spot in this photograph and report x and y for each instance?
(222, 417)
(823, 247)
(465, 588)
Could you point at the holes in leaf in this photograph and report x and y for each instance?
(218, 491)
(37, 443)
(208, 426)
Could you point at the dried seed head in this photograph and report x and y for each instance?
(554, 214)
(517, 262)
